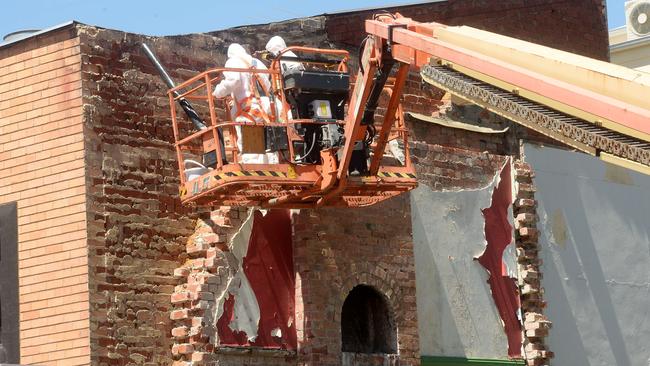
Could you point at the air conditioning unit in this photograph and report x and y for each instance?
(637, 15)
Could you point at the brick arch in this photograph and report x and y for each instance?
(386, 287)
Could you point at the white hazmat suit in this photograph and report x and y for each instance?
(247, 105)
(275, 45)
(238, 84)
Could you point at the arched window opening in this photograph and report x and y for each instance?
(367, 324)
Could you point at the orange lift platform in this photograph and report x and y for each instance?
(309, 149)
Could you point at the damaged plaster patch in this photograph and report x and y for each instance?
(456, 312)
(247, 310)
(258, 305)
(246, 315)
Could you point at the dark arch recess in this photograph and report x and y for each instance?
(367, 324)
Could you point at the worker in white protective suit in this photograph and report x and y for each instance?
(275, 45)
(249, 105)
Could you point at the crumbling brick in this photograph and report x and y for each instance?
(536, 325)
(182, 349)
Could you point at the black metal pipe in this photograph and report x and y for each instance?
(187, 107)
(158, 66)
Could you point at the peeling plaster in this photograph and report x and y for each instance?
(246, 309)
(499, 237)
(456, 313)
(257, 307)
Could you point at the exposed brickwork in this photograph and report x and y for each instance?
(336, 250)
(453, 159)
(136, 224)
(327, 255)
(536, 325)
(205, 276)
(42, 168)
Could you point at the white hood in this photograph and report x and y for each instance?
(275, 45)
(236, 50)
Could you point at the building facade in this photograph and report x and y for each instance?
(113, 270)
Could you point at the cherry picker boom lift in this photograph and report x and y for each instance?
(330, 147)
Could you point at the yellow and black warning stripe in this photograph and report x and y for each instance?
(251, 173)
(395, 175)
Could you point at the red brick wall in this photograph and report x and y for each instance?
(453, 159)
(42, 168)
(336, 250)
(136, 225)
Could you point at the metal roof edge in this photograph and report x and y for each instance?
(617, 28)
(41, 32)
(630, 44)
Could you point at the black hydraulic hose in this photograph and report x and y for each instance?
(362, 46)
(377, 87)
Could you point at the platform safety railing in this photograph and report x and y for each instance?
(199, 90)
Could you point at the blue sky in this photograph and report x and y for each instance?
(166, 17)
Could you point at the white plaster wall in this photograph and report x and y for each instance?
(456, 313)
(595, 246)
